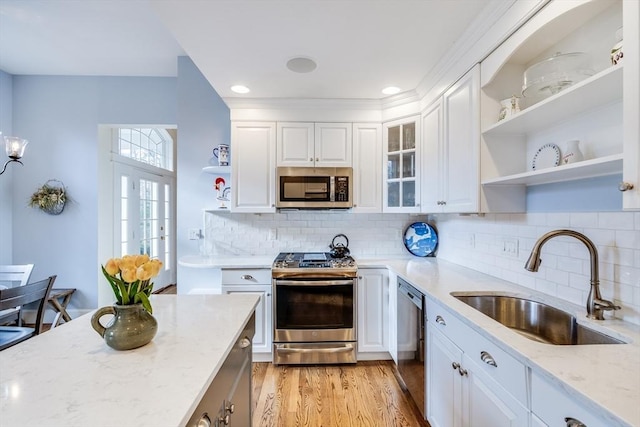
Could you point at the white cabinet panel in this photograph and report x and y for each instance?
(631, 104)
(367, 171)
(333, 144)
(295, 144)
(263, 336)
(252, 168)
(314, 144)
(372, 310)
(451, 149)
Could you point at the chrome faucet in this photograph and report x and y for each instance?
(595, 304)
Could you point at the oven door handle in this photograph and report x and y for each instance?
(322, 282)
(315, 350)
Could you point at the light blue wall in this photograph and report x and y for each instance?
(60, 118)
(586, 195)
(6, 180)
(203, 123)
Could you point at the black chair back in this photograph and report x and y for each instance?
(21, 295)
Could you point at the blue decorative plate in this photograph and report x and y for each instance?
(420, 239)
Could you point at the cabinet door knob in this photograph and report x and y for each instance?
(317, 159)
(463, 372)
(246, 277)
(311, 159)
(455, 365)
(572, 422)
(488, 359)
(245, 342)
(625, 186)
(231, 407)
(440, 320)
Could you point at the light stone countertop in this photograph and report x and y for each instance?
(604, 378)
(249, 261)
(69, 377)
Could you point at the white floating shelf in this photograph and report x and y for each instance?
(216, 169)
(601, 166)
(598, 90)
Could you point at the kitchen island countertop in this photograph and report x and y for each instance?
(69, 377)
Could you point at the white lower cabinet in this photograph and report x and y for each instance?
(372, 311)
(470, 382)
(393, 316)
(551, 406)
(254, 282)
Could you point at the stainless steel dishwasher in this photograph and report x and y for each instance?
(411, 341)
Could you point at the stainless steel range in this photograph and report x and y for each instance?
(314, 308)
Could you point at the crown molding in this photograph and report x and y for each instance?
(489, 16)
(302, 103)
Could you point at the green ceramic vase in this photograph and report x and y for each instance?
(131, 327)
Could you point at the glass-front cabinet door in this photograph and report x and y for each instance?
(401, 166)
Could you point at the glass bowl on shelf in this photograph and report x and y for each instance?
(556, 73)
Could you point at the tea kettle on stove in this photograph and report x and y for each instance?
(339, 249)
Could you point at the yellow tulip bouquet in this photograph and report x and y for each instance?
(130, 278)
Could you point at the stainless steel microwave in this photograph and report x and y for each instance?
(314, 188)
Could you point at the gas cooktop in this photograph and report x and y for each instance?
(288, 264)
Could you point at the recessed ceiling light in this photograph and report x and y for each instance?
(240, 89)
(301, 65)
(390, 90)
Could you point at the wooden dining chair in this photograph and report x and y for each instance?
(18, 296)
(10, 277)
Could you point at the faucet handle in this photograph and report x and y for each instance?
(603, 304)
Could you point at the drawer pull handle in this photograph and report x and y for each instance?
(246, 277)
(488, 359)
(463, 372)
(440, 320)
(572, 422)
(455, 365)
(245, 342)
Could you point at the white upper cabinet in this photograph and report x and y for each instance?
(252, 167)
(314, 144)
(631, 103)
(450, 149)
(367, 173)
(531, 146)
(401, 143)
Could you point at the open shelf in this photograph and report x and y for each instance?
(601, 166)
(216, 169)
(598, 90)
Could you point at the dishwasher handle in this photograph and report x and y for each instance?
(411, 293)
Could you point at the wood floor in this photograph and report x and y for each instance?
(366, 394)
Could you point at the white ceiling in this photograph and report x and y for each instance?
(360, 46)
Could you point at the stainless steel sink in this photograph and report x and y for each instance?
(536, 321)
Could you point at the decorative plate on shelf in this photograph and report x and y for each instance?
(547, 156)
(421, 239)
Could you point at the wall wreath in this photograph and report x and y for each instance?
(50, 197)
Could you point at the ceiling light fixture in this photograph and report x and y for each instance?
(240, 89)
(15, 149)
(391, 90)
(301, 65)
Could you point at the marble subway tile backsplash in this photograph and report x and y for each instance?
(268, 234)
(486, 243)
(495, 244)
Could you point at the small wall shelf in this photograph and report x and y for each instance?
(217, 169)
(600, 89)
(601, 166)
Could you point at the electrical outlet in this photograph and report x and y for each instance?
(194, 234)
(471, 242)
(510, 247)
